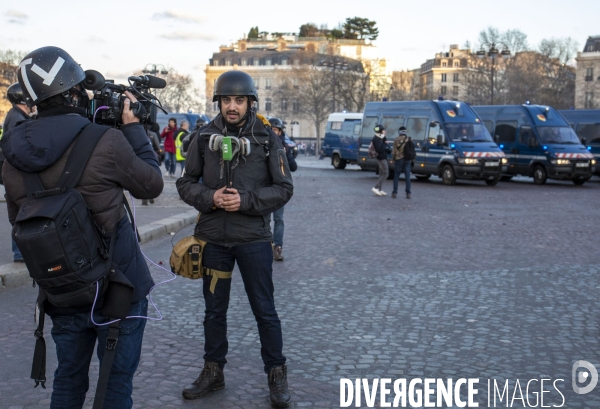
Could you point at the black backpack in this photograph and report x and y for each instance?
(409, 150)
(63, 248)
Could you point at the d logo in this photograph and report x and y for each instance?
(581, 377)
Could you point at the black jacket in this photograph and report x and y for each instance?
(122, 160)
(288, 153)
(264, 184)
(380, 144)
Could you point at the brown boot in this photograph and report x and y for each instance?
(278, 253)
(278, 386)
(211, 379)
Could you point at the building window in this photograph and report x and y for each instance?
(455, 78)
(444, 90)
(456, 64)
(268, 105)
(455, 91)
(589, 100)
(295, 105)
(244, 61)
(295, 82)
(256, 61)
(444, 77)
(215, 63)
(296, 62)
(444, 64)
(228, 63)
(284, 61)
(589, 74)
(267, 83)
(268, 61)
(284, 105)
(255, 82)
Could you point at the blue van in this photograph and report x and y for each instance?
(586, 124)
(341, 138)
(450, 139)
(162, 119)
(538, 142)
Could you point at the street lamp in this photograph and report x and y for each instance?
(493, 54)
(155, 69)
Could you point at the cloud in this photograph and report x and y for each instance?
(178, 15)
(187, 36)
(16, 17)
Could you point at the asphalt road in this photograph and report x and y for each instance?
(467, 281)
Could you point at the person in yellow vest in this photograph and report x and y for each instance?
(181, 133)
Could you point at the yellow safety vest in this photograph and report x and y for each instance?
(178, 145)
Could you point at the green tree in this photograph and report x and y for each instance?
(309, 30)
(253, 33)
(360, 28)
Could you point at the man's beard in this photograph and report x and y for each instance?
(238, 122)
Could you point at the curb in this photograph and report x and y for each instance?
(16, 274)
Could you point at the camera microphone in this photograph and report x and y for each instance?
(149, 80)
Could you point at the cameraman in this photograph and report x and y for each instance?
(122, 159)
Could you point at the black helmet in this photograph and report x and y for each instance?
(276, 123)
(14, 93)
(379, 128)
(47, 71)
(235, 83)
(200, 122)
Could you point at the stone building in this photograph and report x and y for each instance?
(587, 80)
(271, 62)
(445, 75)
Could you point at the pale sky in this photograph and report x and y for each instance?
(120, 37)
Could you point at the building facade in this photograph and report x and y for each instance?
(587, 79)
(445, 75)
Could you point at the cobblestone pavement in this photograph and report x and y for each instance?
(467, 281)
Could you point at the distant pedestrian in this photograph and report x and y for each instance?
(404, 156)
(180, 135)
(168, 134)
(381, 147)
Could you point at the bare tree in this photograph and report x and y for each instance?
(180, 94)
(309, 88)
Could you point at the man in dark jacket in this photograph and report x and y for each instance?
(18, 113)
(403, 155)
(122, 159)
(381, 147)
(235, 199)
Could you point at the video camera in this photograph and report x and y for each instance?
(106, 106)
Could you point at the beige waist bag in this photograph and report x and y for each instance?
(186, 261)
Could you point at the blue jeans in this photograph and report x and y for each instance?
(400, 166)
(255, 261)
(75, 337)
(278, 227)
(16, 252)
(170, 162)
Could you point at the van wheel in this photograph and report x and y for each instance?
(539, 175)
(448, 176)
(505, 178)
(338, 162)
(579, 181)
(422, 177)
(493, 181)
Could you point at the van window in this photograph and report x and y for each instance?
(368, 126)
(357, 129)
(489, 125)
(336, 125)
(525, 134)
(417, 128)
(591, 132)
(506, 131)
(391, 124)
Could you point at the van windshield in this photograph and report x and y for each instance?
(468, 132)
(557, 134)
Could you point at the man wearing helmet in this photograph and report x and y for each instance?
(234, 221)
(18, 113)
(278, 225)
(122, 159)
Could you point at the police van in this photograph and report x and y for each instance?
(450, 139)
(538, 142)
(341, 138)
(586, 124)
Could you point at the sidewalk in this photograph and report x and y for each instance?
(166, 216)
